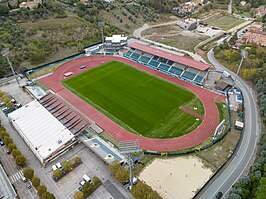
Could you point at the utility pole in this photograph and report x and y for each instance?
(101, 24)
(5, 53)
(244, 55)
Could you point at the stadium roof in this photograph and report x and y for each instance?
(40, 129)
(171, 56)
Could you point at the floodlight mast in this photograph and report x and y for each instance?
(244, 55)
(101, 24)
(128, 147)
(5, 53)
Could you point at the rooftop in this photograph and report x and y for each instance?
(6, 188)
(171, 56)
(40, 129)
(116, 38)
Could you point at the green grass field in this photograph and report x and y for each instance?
(224, 22)
(137, 101)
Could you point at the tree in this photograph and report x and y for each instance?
(141, 190)
(28, 173)
(47, 195)
(10, 105)
(120, 173)
(4, 10)
(7, 140)
(67, 166)
(11, 147)
(57, 173)
(20, 160)
(16, 153)
(78, 195)
(41, 189)
(3, 134)
(77, 160)
(36, 181)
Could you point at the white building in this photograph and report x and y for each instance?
(115, 43)
(43, 133)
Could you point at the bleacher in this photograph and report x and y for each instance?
(167, 66)
(153, 63)
(176, 71)
(164, 67)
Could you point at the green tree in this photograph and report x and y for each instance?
(7, 140)
(77, 160)
(120, 173)
(28, 173)
(20, 160)
(16, 153)
(36, 181)
(3, 134)
(47, 195)
(67, 166)
(57, 173)
(4, 10)
(78, 195)
(11, 147)
(141, 190)
(41, 189)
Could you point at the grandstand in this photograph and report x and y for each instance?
(169, 63)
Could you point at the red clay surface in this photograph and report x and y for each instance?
(199, 135)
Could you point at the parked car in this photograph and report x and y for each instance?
(58, 165)
(86, 178)
(2, 142)
(2, 104)
(30, 83)
(7, 151)
(13, 101)
(80, 188)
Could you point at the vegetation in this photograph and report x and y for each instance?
(119, 172)
(78, 195)
(48, 195)
(41, 189)
(225, 22)
(20, 160)
(138, 101)
(143, 191)
(36, 181)
(28, 173)
(88, 188)
(253, 185)
(57, 174)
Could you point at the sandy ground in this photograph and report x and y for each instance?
(178, 177)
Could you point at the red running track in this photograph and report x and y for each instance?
(196, 137)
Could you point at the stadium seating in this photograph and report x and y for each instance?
(128, 53)
(135, 56)
(155, 57)
(163, 67)
(198, 79)
(144, 59)
(154, 63)
(169, 62)
(188, 75)
(176, 71)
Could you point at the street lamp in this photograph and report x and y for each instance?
(244, 55)
(101, 24)
(5, 53)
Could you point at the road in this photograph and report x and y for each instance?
(244, 156)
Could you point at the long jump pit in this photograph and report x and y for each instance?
(178, 177)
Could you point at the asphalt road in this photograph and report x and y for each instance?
(243, 157)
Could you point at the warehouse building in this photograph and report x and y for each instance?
(47, 137)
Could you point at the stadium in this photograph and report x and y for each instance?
(141, 95)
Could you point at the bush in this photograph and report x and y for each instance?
(16, 153)
(36, 181)
(7, 140)
(20, 160)
(141, 191)
(47, 195)
(41, 189)
(78, 195)
(3, 134)
(67, 166)
(57, 174)
(28, 173)
(77, 160)
(11, 147)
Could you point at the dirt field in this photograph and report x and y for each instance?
(174, 36)
(178, 177)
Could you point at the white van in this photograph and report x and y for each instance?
(86, 178)
(58, 165)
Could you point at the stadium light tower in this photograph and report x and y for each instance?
(5, 53)
(244, 55)
(127, 147)
(101, 24)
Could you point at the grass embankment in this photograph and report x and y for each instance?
(139, 102)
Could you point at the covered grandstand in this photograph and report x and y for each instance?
(167, 62)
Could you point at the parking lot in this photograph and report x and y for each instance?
(91, 166)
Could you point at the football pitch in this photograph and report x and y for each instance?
(139, 102)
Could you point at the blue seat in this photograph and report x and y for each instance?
(163, 67)
(188, 75)
(128, 53)
(144, 59)
(169, 62)
(154, 63)
(198, 79)
(135, 56)
(176, 71)
(155, 57)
